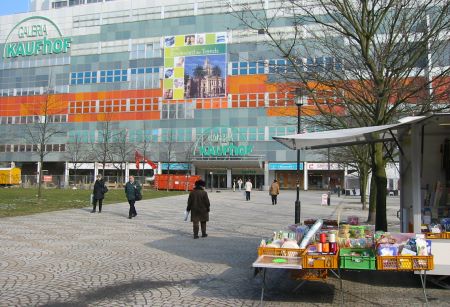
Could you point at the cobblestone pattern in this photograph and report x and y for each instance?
(75, 258)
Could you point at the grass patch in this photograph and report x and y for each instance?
(19, 201)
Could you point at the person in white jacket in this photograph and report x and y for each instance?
(248, 189)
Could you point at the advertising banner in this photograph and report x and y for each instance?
(195, 66)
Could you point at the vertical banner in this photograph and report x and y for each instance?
(195, 66)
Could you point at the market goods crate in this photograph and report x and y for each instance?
(357, 259)
(432, 235)
(309, 274)
(313, 261)
(274, 251)
(441, 235)
(405, 263)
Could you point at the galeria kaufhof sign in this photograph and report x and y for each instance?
(35, 35)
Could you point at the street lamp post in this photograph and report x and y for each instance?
(298, 102)
(211, 173)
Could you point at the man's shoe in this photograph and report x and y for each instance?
(130, 217)
(93, 211)
(204, 235)
(134, 214)
(196, 237)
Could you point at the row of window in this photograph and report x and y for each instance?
(145, 51)
(142, 77)
(114, 105)
(178, 110)
(33, 91)
(242, 134)
(34, 61)
(317, 64)
(31, 148)
(17, 120)
(63, 3)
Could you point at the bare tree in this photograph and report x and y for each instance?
(76, 153)
(102, 147)
(170, 154)
(362, 63)
(121, 152)
(43, 129)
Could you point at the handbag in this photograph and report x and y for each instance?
(105, 189)
(137, 194)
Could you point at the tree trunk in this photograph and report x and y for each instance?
(39, 179)
(363, 176)
(379, 174)
(372, 202)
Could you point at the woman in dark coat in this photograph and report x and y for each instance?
(198, 205)
(99, 193)
(130, 192)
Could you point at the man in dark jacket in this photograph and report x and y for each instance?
(99, 193)
(130, 192)
(198, 205)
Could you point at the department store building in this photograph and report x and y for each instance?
(181, 82)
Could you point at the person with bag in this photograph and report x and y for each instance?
(133, 193)
(99, 194)
(198, 204)
(274, 191)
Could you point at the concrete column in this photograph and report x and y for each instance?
(66, 174)
(228, 178)
(192, 169)
(305, 176)
(127, 171)
(266, 176)
(95, 170)
(416, 179)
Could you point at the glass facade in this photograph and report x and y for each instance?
(153, 75)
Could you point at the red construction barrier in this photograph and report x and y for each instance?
(175, 182)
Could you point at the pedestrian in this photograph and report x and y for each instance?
(131, 188)
(99, 193)
(339, 190)
(274, 191)
(248, 189)
(198, 204)
(240, 183)
(234, 185)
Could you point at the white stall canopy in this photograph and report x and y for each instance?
(345, 137)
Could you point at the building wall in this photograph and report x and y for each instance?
(114, 72)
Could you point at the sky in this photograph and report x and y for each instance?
(8, 7)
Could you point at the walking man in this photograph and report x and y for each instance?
(198, 205)
(248, 189)
(130, 192)
(99, 193)
(274, 191)
(240, 183)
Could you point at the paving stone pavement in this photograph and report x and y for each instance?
(75, 258)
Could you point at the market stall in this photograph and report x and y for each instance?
(311, 251)
(424, 155)
(424, 148)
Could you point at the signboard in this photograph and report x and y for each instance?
(195, 66)
(284, 166)
(220, 145)
(47, 178)
(175, 166)
(323, 166)
(324, 200)
(34, 36)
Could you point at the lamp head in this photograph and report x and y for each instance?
(299, 93)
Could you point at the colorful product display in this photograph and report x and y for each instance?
(323, 247)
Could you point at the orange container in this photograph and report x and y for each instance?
(320, 261)
(405, 263)
(175, 182)
(273, 251)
